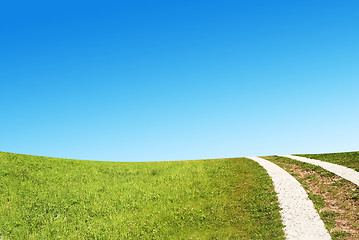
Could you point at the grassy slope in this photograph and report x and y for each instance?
(349, 159)
(47, 198)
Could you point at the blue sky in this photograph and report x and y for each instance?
(165, 80)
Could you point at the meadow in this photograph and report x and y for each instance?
(52, 198)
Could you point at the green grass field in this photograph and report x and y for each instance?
(49, 198)
(348, 159)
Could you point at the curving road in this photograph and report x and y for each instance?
(301, 220)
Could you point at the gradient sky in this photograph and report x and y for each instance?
(177, 80)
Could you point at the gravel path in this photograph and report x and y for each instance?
(301, 220)
(344, 172)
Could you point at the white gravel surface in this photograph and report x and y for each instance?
(344, 172)
(301, 220)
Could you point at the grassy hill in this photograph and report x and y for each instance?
(50, 198)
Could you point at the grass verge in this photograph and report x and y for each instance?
(335, 199)
(48, 198)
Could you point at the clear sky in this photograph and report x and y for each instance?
(177, 80)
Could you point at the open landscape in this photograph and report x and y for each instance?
(162, 120)
(234, 198)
